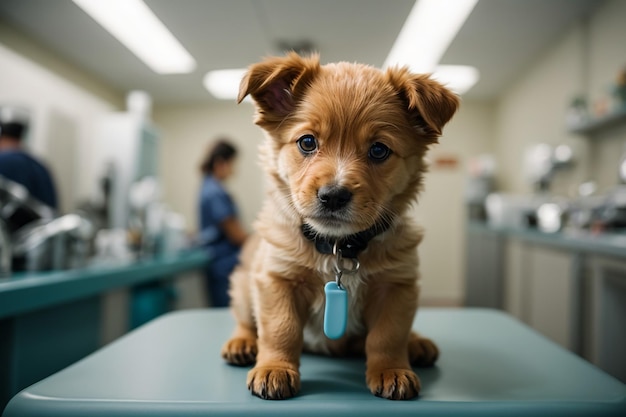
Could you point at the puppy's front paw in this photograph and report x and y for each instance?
(393, 384)
(422, 352)
(273, 383)
(240, 351)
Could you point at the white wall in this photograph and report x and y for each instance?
(187, 131)
(584, 61)
(441, 208)
(607, 56)
(63, 116)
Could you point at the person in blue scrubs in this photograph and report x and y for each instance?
(220, 230)
(19, 166)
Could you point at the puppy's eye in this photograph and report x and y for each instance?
(307, 144)
(379, 152)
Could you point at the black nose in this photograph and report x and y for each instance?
(334, 197)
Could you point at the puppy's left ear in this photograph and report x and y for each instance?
(430, 104)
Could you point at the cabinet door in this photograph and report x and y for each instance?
(515, 276)
(484, 269)
(550, 293)
(608, 316)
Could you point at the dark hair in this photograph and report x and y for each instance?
(12, 129)
(222, 150)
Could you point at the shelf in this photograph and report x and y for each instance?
(595, 125)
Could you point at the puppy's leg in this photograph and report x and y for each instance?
(390, 309)
(282, 314)
(422, 351)
(241, 348)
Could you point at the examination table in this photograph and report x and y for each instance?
(490, 365)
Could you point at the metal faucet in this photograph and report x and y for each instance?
(44, 244)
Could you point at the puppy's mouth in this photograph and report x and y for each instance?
(349, 241)
(331, 223)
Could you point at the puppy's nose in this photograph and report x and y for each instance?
(334, 197)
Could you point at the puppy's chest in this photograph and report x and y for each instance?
(314, 338)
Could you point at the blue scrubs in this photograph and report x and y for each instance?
(22, 168)
(215, 207)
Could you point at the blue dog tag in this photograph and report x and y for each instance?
(336, 311)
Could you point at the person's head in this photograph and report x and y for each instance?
(219, 160)
(12, 129)
(11, 134)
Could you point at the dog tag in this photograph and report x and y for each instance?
(336, 311)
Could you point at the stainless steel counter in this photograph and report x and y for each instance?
(608, 244)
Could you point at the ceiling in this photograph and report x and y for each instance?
(501, 37)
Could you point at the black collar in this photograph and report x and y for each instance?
(351, 245)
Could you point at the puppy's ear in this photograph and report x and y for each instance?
(429, 103)
(277, 85)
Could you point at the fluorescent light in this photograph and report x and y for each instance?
(419, 47)
(133, 24)
(458, 78)
(224, 84)
(428, 31)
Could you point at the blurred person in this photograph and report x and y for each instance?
(220, 229)
(18, 165)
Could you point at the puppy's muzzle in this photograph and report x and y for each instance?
(334, 197)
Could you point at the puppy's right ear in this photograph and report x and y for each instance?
(277, 85)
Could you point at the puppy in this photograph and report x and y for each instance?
(344, 159)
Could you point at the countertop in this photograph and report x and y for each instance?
(582, 241)
(24, 292)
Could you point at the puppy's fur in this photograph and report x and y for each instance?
(278, 290)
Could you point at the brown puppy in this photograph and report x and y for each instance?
(344, 162)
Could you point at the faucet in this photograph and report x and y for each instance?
(5, 251)
(44, 244)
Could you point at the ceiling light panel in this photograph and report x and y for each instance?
(224, 84)
(133, 24)
(428, 31)
(458, 78)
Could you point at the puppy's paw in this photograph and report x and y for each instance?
(422, 352)
(394, 384)
(273, 383)
(240, 351)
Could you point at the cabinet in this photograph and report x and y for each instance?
(514, 277)
(541, 289)
(607, 324)
(571, 287)
(484, 268)
(551, 299)
(537, 283)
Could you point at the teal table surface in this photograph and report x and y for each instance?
(24, 292)
(491, 365)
